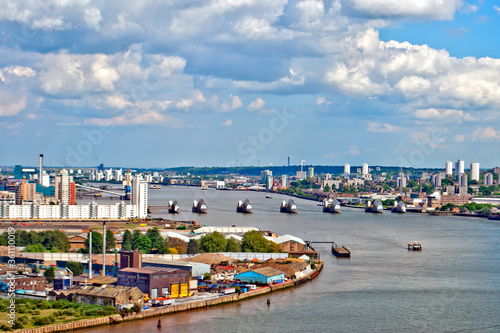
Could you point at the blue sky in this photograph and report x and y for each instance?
(212, 83)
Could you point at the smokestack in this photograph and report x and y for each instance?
(90, 254)
(288, 160)
(104, 250)
(420, 185)
(40, 177)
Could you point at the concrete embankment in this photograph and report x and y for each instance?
(153, 312)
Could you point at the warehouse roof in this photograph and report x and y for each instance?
(287, 238)
(149, 270)
(266, 271)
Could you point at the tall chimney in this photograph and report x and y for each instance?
(90, 254)
(104, 249)
(40, 177)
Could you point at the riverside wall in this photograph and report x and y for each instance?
(153, 312)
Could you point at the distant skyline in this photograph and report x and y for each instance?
(222, 83)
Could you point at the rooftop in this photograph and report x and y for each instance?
(267, 271)
(161, 261)
(148, 270)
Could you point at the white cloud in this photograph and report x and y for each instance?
(330, 155)
(186, 103)
(235, 103)
(322, 100)
(117, 102)
(413, 85)
(258, 104)
(11, 104)
(382, 127)
(226, 123)
(485, 134)
(92, 17)
(354, 150)
(443, 114)
(390, 9)
(468, 8)
(143, 118)
(459, 138)
(497, 9)
(15, 72)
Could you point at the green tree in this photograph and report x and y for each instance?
(110, 240)
(136, 234)
(193, 246)
(76, 267)
(327, 188)
(233, 245)
(50, 274)
(157, 241)
(127, 241)
(96, 243)
(35, 248)
(254, 241)
(176, 243)
(386, 187)
(143, 244)
(214, 242)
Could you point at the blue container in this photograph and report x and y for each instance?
(244, 290)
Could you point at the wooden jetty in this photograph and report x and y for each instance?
(415, 246)
(340, 251)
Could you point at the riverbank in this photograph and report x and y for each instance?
(154, 312)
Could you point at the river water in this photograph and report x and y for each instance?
(453, 285)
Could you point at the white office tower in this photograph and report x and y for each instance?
(62, 184)
(45, 179)
(488, 179)
(459, 168)
(449, 169)
(474, 171)
(140, 197)
(401, 181)
(364, 169)
(108, 175)
(347, 169)
(311, 172)
(118, 175)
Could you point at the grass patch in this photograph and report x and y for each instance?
(35, 313)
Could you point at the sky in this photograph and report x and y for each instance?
(157, 83)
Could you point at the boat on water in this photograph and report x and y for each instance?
(268, 196)
(331, 206)
(173, 207)
(288, 207)
(200, 206)
(399, 207)
(154, 186)
(244, 207)
(204, 187)
(415, 246)
(494, 217)
(375, 207)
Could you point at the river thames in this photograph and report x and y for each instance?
(453, 285)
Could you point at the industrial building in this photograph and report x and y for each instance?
(196, 269)
(264, 275)
(117, 296)
(25, 282)
(156, 281)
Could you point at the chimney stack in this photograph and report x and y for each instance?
(40, 176)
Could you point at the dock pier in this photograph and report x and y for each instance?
(337, 250)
